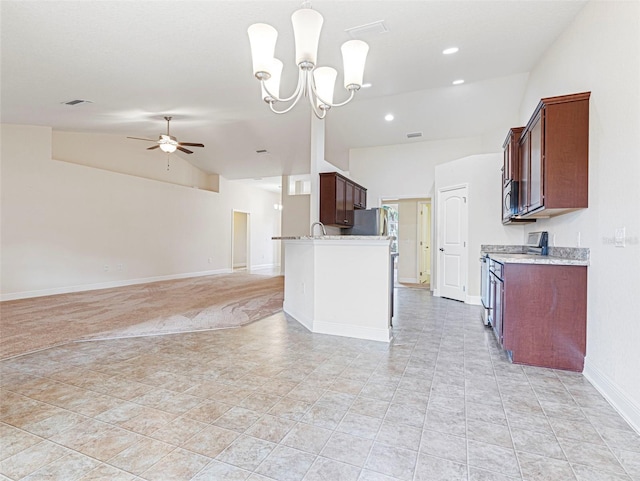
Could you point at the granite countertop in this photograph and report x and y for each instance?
(336, 237)
(536, 259)
(514, 254)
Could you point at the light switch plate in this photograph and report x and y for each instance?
(619, 237)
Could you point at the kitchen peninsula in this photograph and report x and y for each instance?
(339, 285)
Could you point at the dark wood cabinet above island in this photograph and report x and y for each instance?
(339, 197)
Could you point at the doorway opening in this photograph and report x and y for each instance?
(240, 241)
(424, 243)
(413, 235)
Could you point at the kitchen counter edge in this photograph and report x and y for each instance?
(336, 237)
(505, 258)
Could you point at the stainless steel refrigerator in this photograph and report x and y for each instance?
(370, 222)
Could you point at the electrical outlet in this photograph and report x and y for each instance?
(119, 267)
(210, 260)
(106, 268)
(619, 237)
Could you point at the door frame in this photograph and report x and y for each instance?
(419, 222)
(248, 237)
(464, 272)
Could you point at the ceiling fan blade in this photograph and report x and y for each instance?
(154, 147)
(186, 151)
(140, 138)
(190, 144)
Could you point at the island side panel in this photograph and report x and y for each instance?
(353, 289)
(299, 281)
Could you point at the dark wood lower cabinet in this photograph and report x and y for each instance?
(544, 316)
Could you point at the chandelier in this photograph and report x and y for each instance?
(315, 83)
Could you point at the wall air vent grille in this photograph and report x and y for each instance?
(413, 135)
(77, 102)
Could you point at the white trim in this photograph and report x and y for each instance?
(473, 300)
(301, 319)
(408, 280)
(348, 241)
(263, 266)
(620, 400)
(349, 330)
(107, 285)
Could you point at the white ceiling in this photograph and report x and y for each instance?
(138, 61)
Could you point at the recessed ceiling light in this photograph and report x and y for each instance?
(366, 85)
(458, 82)
(450, 50)
(388, 117)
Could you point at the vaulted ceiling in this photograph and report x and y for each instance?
(137, 61)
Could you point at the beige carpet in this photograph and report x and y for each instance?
(198, 303)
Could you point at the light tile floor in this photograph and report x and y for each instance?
(270, 401)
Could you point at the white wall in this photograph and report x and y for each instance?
(600, 52)
(406, 170)
(62, 223)
(482, 174)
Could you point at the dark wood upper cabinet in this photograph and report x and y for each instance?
(511, 167)
(339, 197)
(553, 154)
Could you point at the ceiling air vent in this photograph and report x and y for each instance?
(373, 28)
(413, 135)
(77, 102)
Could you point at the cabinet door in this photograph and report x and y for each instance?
(341, 200)
(536, 163)
(348, 203)
(525, 164)
(363, 198)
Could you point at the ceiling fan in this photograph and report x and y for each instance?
(168, 143)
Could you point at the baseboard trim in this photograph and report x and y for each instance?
(408, 280)
(473, 300)
(347, 330)
(302, 320)
(339, 329)
(106, 285)
(620, 400)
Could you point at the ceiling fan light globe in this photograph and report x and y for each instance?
(168, 148)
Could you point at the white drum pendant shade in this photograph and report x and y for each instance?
(262, 38)
(325, 80)
(354, 56)
(273, 84)
(307, 24)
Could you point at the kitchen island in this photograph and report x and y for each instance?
(339, 285)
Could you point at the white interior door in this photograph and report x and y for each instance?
(452, 242)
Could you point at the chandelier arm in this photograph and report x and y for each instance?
(317, 111)
(290, 106)
(351, 95)
(296, 92)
